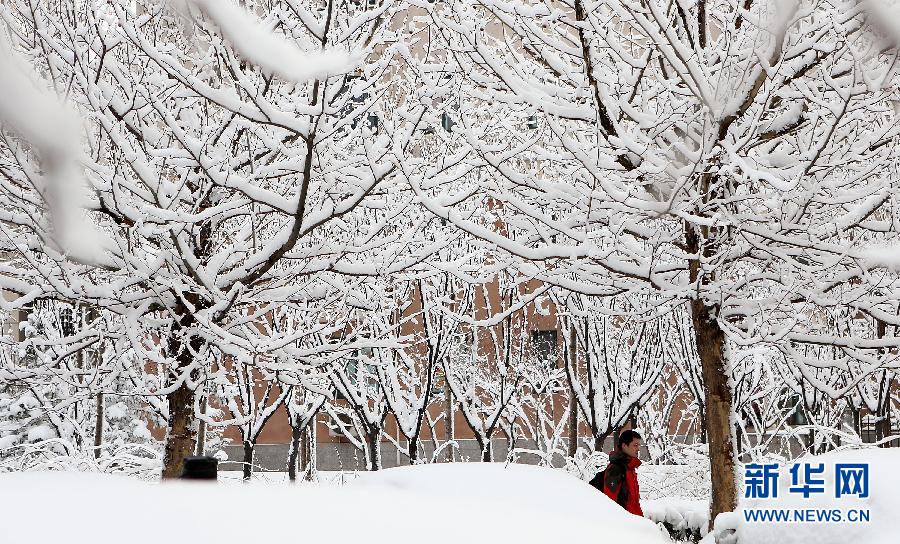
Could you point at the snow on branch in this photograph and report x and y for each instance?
(269, 51)
(53, 128)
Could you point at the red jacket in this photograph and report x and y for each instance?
(633, 501)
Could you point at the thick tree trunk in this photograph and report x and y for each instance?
(181, 436)
(487, 451)
(374, 446)
(248, 460)
(711, 349)
(412, 449)
(98, 427)
(301, 455)
(308, 451)
(294, 453)
(181, 439)
(857, 420)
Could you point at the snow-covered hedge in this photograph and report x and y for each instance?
(687, 517)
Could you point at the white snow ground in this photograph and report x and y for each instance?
(461, 502)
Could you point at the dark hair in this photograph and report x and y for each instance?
(627, 437)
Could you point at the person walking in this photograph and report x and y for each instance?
(619, 480)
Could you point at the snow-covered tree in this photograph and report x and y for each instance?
(724, 154)
(223, 154)
(303, 406)
(620, 356)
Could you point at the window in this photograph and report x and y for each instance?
(357, 369)
(67, 321)
(544, 347)
(351, 368)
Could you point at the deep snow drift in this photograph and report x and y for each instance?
(460, 502)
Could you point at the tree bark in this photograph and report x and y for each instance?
(93, 355)
(857, 420)
(573, 427)
(372, 439)
(412, 448)
(98, 427)
(181, 438)
(573, 402)
(487, 452)
(883, 415)
(301, 455)
(711, 349)
(883, 422)
(247, 465)
(308, 451)
(294, 453)
(510, 435)
(201, 433)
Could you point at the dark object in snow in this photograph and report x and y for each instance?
(684, 534)
(200, 467)
(616, 474)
